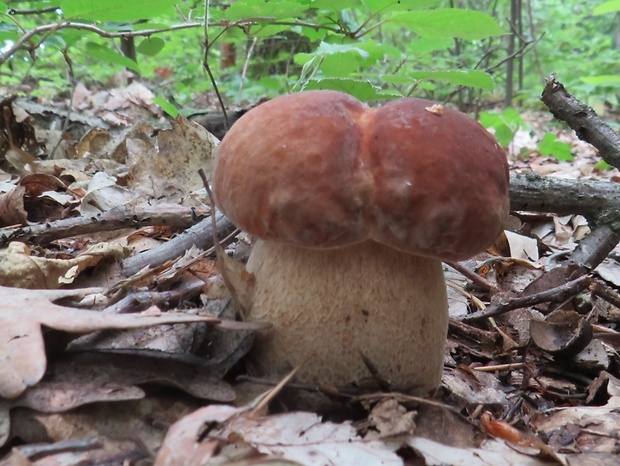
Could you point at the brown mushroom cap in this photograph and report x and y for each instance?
(320, 169)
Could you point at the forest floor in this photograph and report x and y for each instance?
(94, 371)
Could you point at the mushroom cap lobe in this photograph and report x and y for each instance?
(320, 169)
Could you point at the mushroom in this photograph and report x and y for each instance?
(353, 209)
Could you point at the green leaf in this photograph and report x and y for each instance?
(505, 124)
(602, 80)
(611, 6)
(268, 30)
(449, 22)
(107, 55)
(115, 10)
(362, 90)
(313, 34)
(56, 41)
(384, 6)
(8, 31)
(602, 165)
(151, 46)
(469, 78)
(549, 145)
(166, 106)
(332, 5)
(425, 45)
(268, 9)
(71, 36)
(341, 59)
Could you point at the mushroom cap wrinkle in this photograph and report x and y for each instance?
(320, 169)
(354, 208)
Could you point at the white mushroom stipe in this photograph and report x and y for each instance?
(328, 306)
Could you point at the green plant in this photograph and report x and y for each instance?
(549, 145)
(505, 124)
(372, 49)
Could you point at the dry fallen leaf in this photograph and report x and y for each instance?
(12, 210)
(391, 418)
(299, 436)
(494, 453)
(169, 166)
(124, 432)
(23, 312)
(23, 270)
(104, 194)
(522, 247)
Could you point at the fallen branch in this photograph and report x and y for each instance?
(537, 193)
(114, 219)
(583, 119)
(558, 294)
(200, 235)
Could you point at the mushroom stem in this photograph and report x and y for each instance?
(327, 306)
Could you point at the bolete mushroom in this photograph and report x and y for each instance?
(354, 208)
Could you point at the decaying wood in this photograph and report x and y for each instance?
(537, 193)
(200, 235)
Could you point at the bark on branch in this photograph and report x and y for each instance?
(583, 119)
(537, 193)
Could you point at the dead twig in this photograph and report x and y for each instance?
(472, 332)
(605, 293)
(477, 279)
(583, 119)
(594, 248)
(500, 367)
(114, 219)
(555, 295)
(200, 235)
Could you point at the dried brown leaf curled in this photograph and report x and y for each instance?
(23, 270)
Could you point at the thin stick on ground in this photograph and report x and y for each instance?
(477, 279)
(115, 219)
(557, 294)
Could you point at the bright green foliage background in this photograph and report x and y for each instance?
(374, 49)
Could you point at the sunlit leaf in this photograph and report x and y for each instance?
(450, 22)
(342, 59)
(384, 6)
(333, 5)
(115, 10)
(611, 6)
(602, 165)
(362, 90)
(469, 78)
(107, 55)
(425, 45)
(166, 106)
(267, 9)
